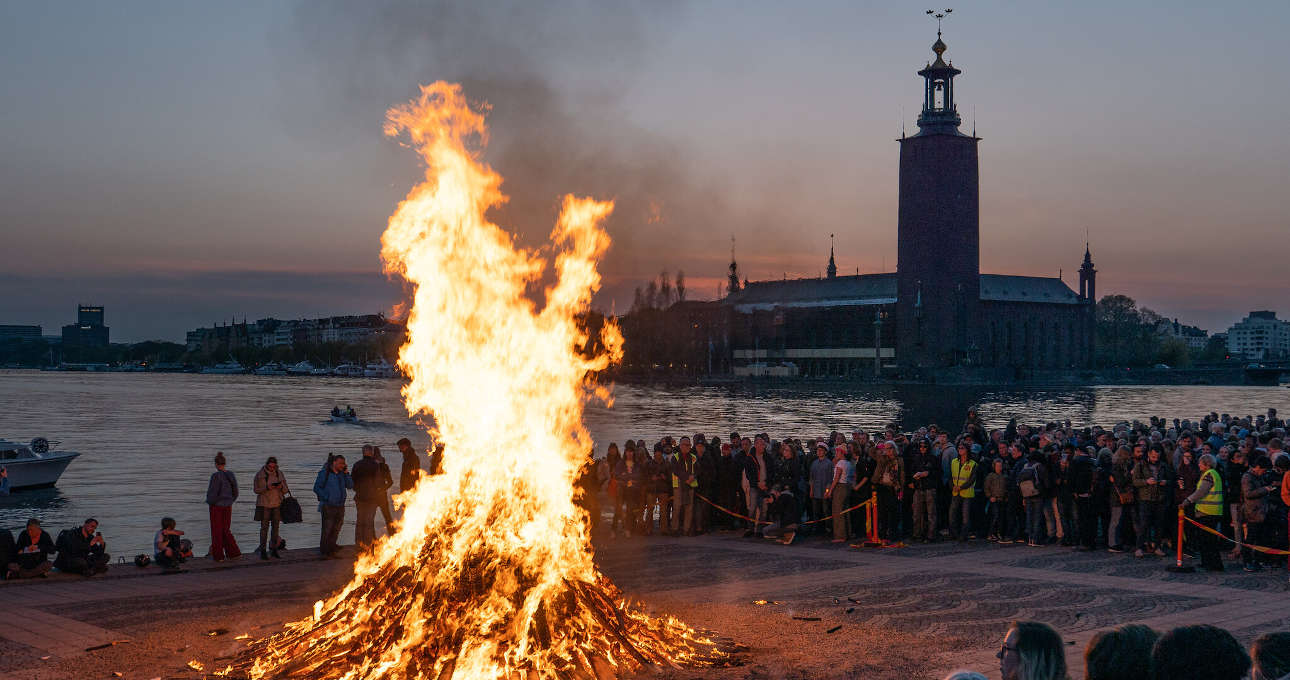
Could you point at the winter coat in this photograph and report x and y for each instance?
(267, 495)
(996, 486)
(330, 487)
(1144, 471)
(821, 476)
(1255, 491)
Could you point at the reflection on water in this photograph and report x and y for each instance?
(148, 440)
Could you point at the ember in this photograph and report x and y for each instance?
(491, 574)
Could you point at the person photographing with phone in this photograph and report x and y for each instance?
(270, 489)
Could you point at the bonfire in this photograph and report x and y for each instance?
(491, 574)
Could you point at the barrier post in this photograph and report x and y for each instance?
(1178, 567)
(873, 541)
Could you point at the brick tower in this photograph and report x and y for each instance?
(938, 271)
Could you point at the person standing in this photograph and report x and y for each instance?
(889, 476)
(1208, 503)
(1150, 481)
(821, 476)
(411, 470)
(963, 473)
(1083, 473)
(270, 488)
(1255, 491)
(684, 481)
(926, 479)
(367, 497)
(383, 499)
(330, 487)
(838, 491)
(221, 492)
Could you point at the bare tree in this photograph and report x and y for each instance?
(664, 290)
(680, 286)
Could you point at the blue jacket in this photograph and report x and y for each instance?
(330, 487)
(4, 486)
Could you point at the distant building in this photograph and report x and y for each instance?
(1196, 338)
(937, 312)
(89, 329)
(19, 333)
(1261, 335)
(270, 332)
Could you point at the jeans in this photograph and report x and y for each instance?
(1087, 520)
(888, 514)
(756, 507)
(960, 517)
(333, 517)
(994, 515)
(1119, 515)
(364, 527)
(1253, 534)
(1068, 523)
(222, 542)
(925, 513)
(1209, 544)
(1014, 512)
(270, 517)
(1053, 518)
(1148, 524)
(1034, 519)
(819, 510)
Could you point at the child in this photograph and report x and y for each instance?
(171, 550)
(996, 491)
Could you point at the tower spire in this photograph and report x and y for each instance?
(832, 269)
(940, 115)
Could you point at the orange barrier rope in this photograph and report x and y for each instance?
(1202, 527)
(746, 518)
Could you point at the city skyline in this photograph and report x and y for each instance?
(195, 164)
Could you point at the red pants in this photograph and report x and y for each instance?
(222, 542)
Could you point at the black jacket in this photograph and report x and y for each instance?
(72, 544)
(44, 546)
(371, 479)
(929, 463)
(1080, 475)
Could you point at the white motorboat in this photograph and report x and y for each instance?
(225, 368)
(349, 371)
(302, 368)
(344, 415)
(383, 369)
(271, 368)
(35, 465)
(324, 370)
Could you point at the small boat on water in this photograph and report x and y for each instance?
(225, 368)
(302, 368)
(271, 368)
(343, 415)
(34, 465)
(320, 371)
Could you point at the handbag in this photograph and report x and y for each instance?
(1126, 497)
(291, 512)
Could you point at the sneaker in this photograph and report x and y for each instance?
(1116, 549)
(1003, 540)
(1158, 552)
(1139, 554)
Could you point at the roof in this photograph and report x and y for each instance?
(879, 289)
(1004, 288)
(841, 291)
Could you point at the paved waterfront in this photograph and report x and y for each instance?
(918, 611)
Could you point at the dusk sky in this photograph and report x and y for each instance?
(187, 163)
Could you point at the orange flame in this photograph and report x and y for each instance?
(491, 574)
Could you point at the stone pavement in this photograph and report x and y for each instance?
(48, 615)
(947, 591)
(957, 598)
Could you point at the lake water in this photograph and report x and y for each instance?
(147, 440)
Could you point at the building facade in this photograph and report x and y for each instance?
(15, 332)
(937, 313)
(353, 329)
(89, 329)
(1261, 335)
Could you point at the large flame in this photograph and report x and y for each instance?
(491, 574)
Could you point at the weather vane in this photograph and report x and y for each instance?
(939, 16)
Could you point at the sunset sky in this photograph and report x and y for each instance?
(187, 163)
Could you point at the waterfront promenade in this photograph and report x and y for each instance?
(905, 613)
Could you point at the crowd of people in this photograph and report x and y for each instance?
(33, 553)
(1034, 651)
(1119, 488)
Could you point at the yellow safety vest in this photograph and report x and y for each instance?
(961, 475)
(1212, 503)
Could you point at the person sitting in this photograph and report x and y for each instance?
(32, 547)
(1123, 653)
(171, 550)
(335, 411)
(82, 550)
(1198, 653)
(785, 514)
(8, 553)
